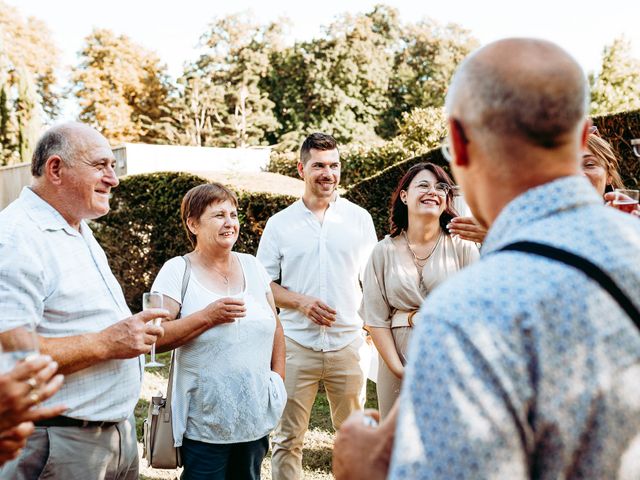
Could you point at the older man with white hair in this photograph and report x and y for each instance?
(527, 363)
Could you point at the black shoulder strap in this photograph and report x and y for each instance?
(581, 263)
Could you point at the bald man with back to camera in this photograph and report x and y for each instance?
(522, 366)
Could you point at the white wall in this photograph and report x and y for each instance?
(142, 158)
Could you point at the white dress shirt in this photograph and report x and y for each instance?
(323, 260)
(59, 278)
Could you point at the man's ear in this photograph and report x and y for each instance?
(301, 170)
(53, 169)
(459, 143)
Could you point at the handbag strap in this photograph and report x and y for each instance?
(185, 283)
(587, 267)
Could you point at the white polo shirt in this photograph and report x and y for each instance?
(59, 278)
(323, 260)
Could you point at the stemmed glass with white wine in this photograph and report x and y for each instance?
(153, 300)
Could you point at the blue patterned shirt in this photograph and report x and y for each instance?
(523, 367)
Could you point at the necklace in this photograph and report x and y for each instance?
(225, 277)
(416, 259)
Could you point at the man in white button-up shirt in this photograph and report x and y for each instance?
(54, 273)
(318, 248)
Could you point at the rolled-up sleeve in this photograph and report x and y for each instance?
(268, 252)
(22, 282)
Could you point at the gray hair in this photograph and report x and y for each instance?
(520, 88)
(55, 141)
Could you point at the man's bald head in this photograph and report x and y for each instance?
(62, 140)
(521, 89)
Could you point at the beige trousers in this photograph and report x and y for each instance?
(388, 385)
(343, 373)
(74, 453)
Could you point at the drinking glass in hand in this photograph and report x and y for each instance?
(17, 344)
(153, 300)
(626, 199)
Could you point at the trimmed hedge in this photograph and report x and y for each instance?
(143, 229)
(358, 161)
(619, 129)
(374, 193)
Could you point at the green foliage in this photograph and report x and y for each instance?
(419, 131)
(123, 89)
(358, 80)
(27, 44)
(374, 193)
(27, 63)
(619, 129)
(617, 86)
(336, 83)
(220, 103)
(424, 62)
(144, 230)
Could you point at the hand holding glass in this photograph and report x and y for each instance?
(153, 300)
(626, 199)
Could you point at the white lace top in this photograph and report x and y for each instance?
(224, 389)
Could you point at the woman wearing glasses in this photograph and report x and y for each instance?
(406, 265)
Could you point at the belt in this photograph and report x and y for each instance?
(61, 421)
(402, 318)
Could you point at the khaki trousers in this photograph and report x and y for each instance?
(343, 373)
(74, 453)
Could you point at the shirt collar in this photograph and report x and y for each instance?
(336, 201)
(44, 215)
(563, 194)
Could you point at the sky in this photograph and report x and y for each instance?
(172, 28)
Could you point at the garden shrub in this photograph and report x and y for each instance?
(374, 193)
(143, 229)
(619, 129)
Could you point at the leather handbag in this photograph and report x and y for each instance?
(159, 450)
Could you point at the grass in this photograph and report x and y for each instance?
(318, 442)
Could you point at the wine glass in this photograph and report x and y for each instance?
(626, 199)
(18, 344)
(240, 296)
(153, 300)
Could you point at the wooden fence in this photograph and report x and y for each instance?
(12, 179)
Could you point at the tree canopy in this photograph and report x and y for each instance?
(617, 85)
(122, 88)
(28, 60)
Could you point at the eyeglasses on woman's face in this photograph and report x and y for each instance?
(441, 188)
